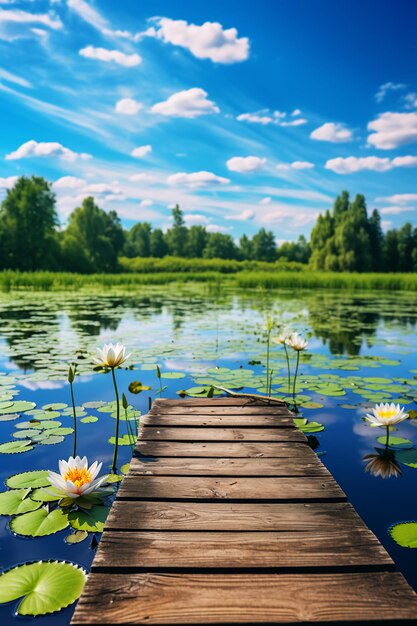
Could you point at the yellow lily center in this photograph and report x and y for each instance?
(78, 477)
(387, 413)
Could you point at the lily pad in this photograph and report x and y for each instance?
(46, 587)
(39, 523)
(405, 534)
(38, 478)
(91, 521)
(16, 502)
(407, 457)
(396, 442)
(16, 447)
(77, 537)
(90, 419)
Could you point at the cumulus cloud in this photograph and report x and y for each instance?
(391, 130)
(386, 88)
(245, 164)
(34, 148)
(400, 198)
(214, 228)
(335, 133)
(7, 183)
(16, 23)
(128, 106)
(247, 214)
(208, 41)
(351, 165)
(142, 178)
(195, 218)
(286, 213)
(69, 182)
(141, 151)
(295, 165)
(197, 179)
(111, 56)
(189, 103)
(266, 116)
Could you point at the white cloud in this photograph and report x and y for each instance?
(247, 214)
(7, 183)
(195, 218)
(386, 88)
(400, 198)
(197, 179)
(300, 121)
(13, 78)
(128, 106)
(266, 116)
(88, 14)
(69, 182)
(335, 133)
(391, 130)
(109, 56)
(351, 165)
(15, 23)
(296, 112)
(265, 201)
(104, 189)
(214, 228)
(286, 213)
(145, 203)
(254, 118)
(396, 210)
(295, 165)
(142, 178)
(141, 151)
(411, 100)
(34, 148)
(189, 103)
(245, 164)
(208, 41)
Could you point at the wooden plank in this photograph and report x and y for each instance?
(227, 467)
(219, 410)
(166, 403)
(221, 434)
(240, 421)
(158, 599)
(236, 488)
(134, 515)
(216, 450)
(336, 548)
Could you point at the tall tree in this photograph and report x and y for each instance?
(263, 246)
(138, 240)
(28, 223)
(158, 244)
(176, 237)
(196, 241)
(220, 246)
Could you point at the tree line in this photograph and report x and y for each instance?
(344, 239)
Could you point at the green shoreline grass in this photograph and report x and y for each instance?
(59, 281)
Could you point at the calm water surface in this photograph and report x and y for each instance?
(361, 350)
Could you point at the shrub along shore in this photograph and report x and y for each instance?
(274, 278)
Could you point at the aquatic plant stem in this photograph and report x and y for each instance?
(288, 368)
(116, 443)
(268, 348)
(387, 440)
(295, 374)
(74, 413)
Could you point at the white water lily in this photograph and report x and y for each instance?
(386, 415)
(282, 338)
(112, 355)
(76, 478)
(296, 342)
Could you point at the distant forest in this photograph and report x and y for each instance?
(344, 239)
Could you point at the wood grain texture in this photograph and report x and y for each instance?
(302, 488)
(158, 599)
(134, 515)
(221, 434)
(166, 403)
(282, 420)
(166, 466)
(216, 450)
(219, 410)
(318, 548)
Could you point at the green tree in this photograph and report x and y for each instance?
(93, 239)
(263, 246)
(196, 242)
(245, 248)
(28, 223)
(176, 237)
(158, 244)
(298, 251)
(220, 246)
(138, 240)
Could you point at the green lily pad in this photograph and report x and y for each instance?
(16, 447)
(37, 478)
(44, 495)
(46, 587)
(39, 523)
(90, 419)
(55, 406)
(16, 502)
(126, 440)
(407, 457)
(76, 537)
(19, 406)
(96, 404)
(173, 375)
(396, 442)
(405, 534)
(91, 521)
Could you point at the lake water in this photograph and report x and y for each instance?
(361, 351)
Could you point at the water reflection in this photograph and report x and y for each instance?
(383, 464)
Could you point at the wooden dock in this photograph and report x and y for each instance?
(228, 517)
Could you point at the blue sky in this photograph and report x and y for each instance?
(247, 114)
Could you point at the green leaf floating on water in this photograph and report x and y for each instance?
(90, 419)
(407, 457)
(126, 440)
(16, 502)
(92, 521)
(77, 537)
(20, 406)
(44, 495)
(396, 442)
(16, 447)
(308, 427)
(39, 523)
(172, 375)
(405, 534)
(46, 587)
(55, 406)
(38, 478)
